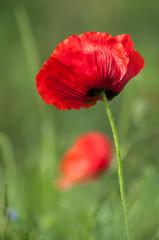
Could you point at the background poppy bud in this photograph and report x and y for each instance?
(88, 157)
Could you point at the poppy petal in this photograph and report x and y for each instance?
(126, 41)
(78, 64)
(76, 165)
(136, 63)
(88, 157)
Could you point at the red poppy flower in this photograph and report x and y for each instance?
(83, 65)
(89, 156)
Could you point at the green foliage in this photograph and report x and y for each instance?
(33, 135)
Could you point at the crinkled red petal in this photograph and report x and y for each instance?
(136, 63)
(126, 41)
(78, 64)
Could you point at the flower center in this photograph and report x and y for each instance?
(111, 94)
(96, 92)
(93, 92)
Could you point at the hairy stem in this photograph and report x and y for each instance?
(120, 172)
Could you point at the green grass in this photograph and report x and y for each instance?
(34, 136)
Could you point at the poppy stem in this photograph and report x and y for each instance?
(120, 172)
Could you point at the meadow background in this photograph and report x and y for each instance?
(34, 135)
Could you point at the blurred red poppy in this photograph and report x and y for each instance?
(88, 157)
(83, 65)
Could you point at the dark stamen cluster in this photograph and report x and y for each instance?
(96, 92)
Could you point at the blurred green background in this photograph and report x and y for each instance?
(34, 135)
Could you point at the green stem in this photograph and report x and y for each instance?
(121, 183)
